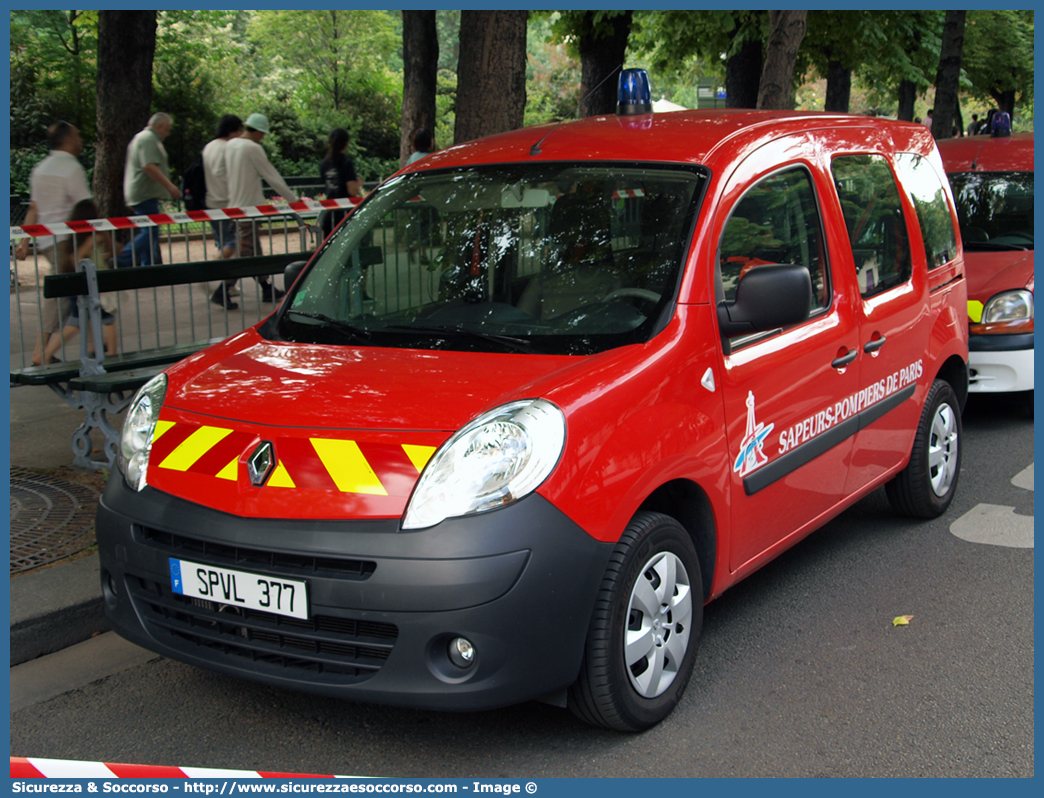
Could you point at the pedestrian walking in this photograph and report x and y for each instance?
(56, 184)
(246, 164)
(215, 171)
(146, 181)
(339, 179)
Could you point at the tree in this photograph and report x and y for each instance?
(324, 56)
(599, 39)
(1001, 75)
(420, 61)
(491, 73)
(53, 62)
(786, 32)
(126, 48)
(673, 38)
(948, 77)
(901, 56)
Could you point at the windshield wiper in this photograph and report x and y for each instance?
(341, 326)
(507, 341)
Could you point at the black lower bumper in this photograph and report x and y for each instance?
(1000, 342)
(519, 583)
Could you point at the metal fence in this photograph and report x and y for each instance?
(153, 317)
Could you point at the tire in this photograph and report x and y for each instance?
(925, 488)
(654, 563)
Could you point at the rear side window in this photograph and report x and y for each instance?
(777, 221)
(926, 190)
(874, 218)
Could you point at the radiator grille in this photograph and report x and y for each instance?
(226, 556)
(325, 649)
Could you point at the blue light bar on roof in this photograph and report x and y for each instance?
(633, 93)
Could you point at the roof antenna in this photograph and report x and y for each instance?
(535, 149)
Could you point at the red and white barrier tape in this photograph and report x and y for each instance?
(183, 217)
(33, 768)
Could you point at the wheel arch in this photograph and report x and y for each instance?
(955, 371)
(689, 505)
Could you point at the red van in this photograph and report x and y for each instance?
(540, 398)
(992, 181)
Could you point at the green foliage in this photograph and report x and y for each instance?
(53, 69)
(552, 76)
(991, 68)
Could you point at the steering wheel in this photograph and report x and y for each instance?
(640, 293)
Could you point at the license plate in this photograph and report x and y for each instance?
(239, 588)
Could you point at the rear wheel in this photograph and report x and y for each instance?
(645, 628)
(925, 488)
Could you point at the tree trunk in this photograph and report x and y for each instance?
(839, 88)
(948, 78)
(786, 32)
(420, 61)
(601, 57)
(743, 74)
(491, 73)
(126, 46)
(1005, 101)
(907, 98)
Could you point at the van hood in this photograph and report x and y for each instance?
(990, 273)
(348, 430)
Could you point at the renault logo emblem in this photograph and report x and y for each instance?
(261, 463)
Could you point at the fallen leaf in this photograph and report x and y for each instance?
(902, 620)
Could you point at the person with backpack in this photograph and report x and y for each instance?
(215, 195)
(1000, 126)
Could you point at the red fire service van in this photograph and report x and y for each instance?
(992, 181)
(538, 399)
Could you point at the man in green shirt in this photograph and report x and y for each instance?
(146, 181)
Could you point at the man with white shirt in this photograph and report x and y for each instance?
(56, 184)
(246, 164)
(215, 172)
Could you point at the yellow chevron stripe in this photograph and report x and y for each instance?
(281, 478)
(419, 455)
(194, 447)
(230, 471)
(347, 466)
(161, 427)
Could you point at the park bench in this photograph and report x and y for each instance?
(101, 385)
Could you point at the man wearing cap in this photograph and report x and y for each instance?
(246, 163)
(146, 181)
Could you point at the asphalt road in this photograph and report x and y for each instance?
(801, 672)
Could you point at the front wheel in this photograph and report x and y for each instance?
(645, 628)
(925, 488)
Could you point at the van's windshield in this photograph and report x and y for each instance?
(995, 209)
(545, 258)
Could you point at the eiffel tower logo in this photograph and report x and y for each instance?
(752, 453)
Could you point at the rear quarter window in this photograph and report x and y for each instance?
(928, 194)
(874, 218)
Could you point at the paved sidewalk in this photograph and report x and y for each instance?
(55, 607)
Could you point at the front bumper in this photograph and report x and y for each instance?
(519, 583)
(1000, 363)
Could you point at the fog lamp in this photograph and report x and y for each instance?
(461, 652)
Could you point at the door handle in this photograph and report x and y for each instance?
(844, 360)
(874, 345)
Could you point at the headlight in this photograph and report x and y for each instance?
(1009, 306)
(495, 460)
(138, 427)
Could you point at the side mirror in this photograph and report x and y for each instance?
(767, 297)
(292, 272)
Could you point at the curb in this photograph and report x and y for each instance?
(56, 608)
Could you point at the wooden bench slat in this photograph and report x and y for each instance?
(61, 285)
(54, 373)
